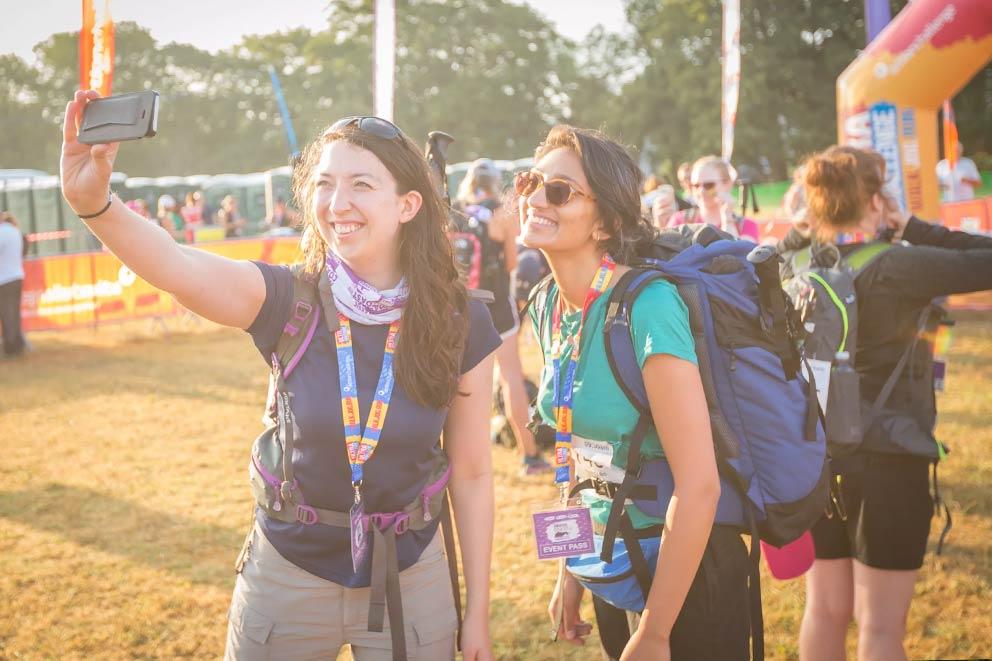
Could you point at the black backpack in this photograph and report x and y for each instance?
(477, 256)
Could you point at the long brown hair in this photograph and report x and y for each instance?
(839, 183)
(615, 180)
(435, 319)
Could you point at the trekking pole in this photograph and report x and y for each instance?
(436, 152)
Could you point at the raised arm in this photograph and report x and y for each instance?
(225, 291)
(922, 233)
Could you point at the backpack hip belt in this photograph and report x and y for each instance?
(292, 508)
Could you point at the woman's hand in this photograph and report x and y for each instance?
(476, 645)
(567, 597)
(895, 218)
(85, 169)
(645, 647)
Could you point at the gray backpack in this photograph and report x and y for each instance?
(820, 282)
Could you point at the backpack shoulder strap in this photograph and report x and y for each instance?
(538, 300)
(859, 259)
(483, 295)
(618, 338)
(309, 297)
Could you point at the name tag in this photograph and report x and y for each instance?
(821, 375)
(594, 459)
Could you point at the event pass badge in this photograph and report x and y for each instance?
(563, 533)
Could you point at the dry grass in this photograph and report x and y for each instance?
(123, 500)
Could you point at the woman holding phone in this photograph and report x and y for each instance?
(378, 236)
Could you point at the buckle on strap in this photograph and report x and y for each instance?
(606, 489)
(306, 515)
(399, 521)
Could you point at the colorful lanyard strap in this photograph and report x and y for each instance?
(362, 444)
(563, 392)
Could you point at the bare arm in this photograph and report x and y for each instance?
(466, 440)
(226, 291)
(678, 407)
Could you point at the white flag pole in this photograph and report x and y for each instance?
(731, 74)
(384, 68)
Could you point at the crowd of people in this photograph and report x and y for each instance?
(182, 221)
(356, 546)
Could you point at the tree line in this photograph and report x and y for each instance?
(495, 75)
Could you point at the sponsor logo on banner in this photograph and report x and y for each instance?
(885, 140)
(911, 160)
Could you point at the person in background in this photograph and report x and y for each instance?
(170, 219)
(13, 247)
(684, 175)
(192, 211)
(871, 543)
(140, 207)
(712, 184)
(960, 184)
(665, 205)
(794, 204)
(479, 196)
(230, 218)
(282, 215)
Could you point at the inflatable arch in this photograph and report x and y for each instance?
(889, 96)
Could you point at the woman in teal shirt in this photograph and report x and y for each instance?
(579, 205)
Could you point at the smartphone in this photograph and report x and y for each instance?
(118, 118)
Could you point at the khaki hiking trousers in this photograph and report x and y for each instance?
(280, 611)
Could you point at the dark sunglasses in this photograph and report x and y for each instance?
(377, 126)
(558, 191)
(705, 185)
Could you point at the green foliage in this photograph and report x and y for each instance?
(493, 74)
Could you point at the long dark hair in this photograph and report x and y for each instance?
(615, 180)
(435, 319)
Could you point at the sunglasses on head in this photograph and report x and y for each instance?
(377, 126)
(557, 191)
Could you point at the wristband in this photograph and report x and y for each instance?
(110, 200)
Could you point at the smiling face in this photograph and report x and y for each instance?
(358, 209)
(710, 186)
(573, 226)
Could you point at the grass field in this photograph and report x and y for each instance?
(124, 498)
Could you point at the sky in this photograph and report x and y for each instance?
(216, 24)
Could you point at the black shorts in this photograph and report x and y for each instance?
(505, 316)
(888, 507)
(715, 620)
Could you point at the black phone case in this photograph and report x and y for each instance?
(118, 118)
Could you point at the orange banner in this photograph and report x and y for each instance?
(88, 289)
(887, 99)
(96, 49)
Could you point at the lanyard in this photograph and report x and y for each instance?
(563, 392)
(361, 444)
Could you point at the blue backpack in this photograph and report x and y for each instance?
(769, 439)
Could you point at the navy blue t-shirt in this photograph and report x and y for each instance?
(403, 459)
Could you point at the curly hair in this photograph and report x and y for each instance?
(435, 319)
(616, 183)
(839, 183)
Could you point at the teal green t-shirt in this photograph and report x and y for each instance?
(601, 411)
